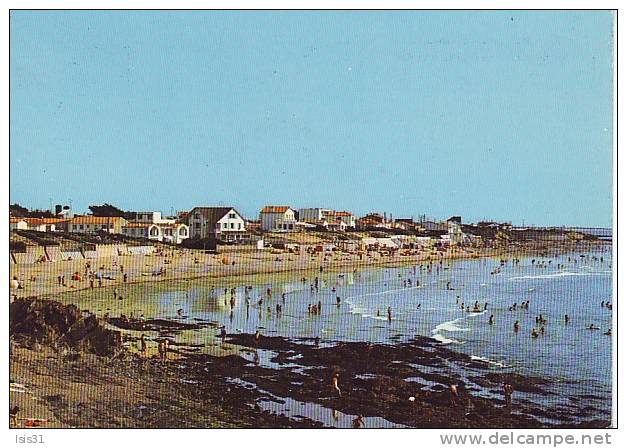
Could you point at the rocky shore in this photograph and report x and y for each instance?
(277, 382)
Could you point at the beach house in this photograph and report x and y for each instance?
(278, 218)
(173, 233)
(94, 224)
(312, 214)
(17, 224)
(340, 219)
(222, 223)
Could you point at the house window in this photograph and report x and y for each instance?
(239, 226)
(183, 231)
(232, 215)
(74, 226)
(197, 216)
(197, 225)
(81, 227)
(232, 225)
(225, 225)
(154, 231)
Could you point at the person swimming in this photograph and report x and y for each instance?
(491, 320)
(593, 327)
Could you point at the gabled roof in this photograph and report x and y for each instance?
(275, 209)
(211, 214)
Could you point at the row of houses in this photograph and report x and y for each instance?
(153, 227)
(227, 224)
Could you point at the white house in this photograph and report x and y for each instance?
(312, 214)
(342, 219)
(44, 224)
(173, 233)
(17, 224)
(223, 223)
(152, 218)
(277, 218)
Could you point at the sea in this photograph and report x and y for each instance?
(426, 300)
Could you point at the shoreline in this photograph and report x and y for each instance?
(242, 269)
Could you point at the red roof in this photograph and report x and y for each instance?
(275, 209)
(88, 219)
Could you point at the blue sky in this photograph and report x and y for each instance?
(499, 115)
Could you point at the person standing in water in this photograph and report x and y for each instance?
(142, 345)
(516, 327)
(508, 390)
(336, 387)
(389, 314)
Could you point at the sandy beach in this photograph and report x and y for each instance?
(42, 278)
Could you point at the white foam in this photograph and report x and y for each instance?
(444, 340)
(449, 326)
(555, 275)
(472, 314)
(487, 361)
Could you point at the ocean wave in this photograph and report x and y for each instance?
(449, 326)
(444, 340)
(362, 311)
(556, 275)
(488, 361)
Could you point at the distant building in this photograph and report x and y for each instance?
(152, 218)
(343, 218)
(278, 218)
(95, 224)
(372, 220)
(431, 226)
(222, 223)
(17, 224)
(312, 214)
(44, 224)
(63, 211)
(173, 233)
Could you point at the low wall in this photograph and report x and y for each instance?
(141, 250)
(109, 250)
(91, 254)
(71, 255)
(32, 255)
(54, 253)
